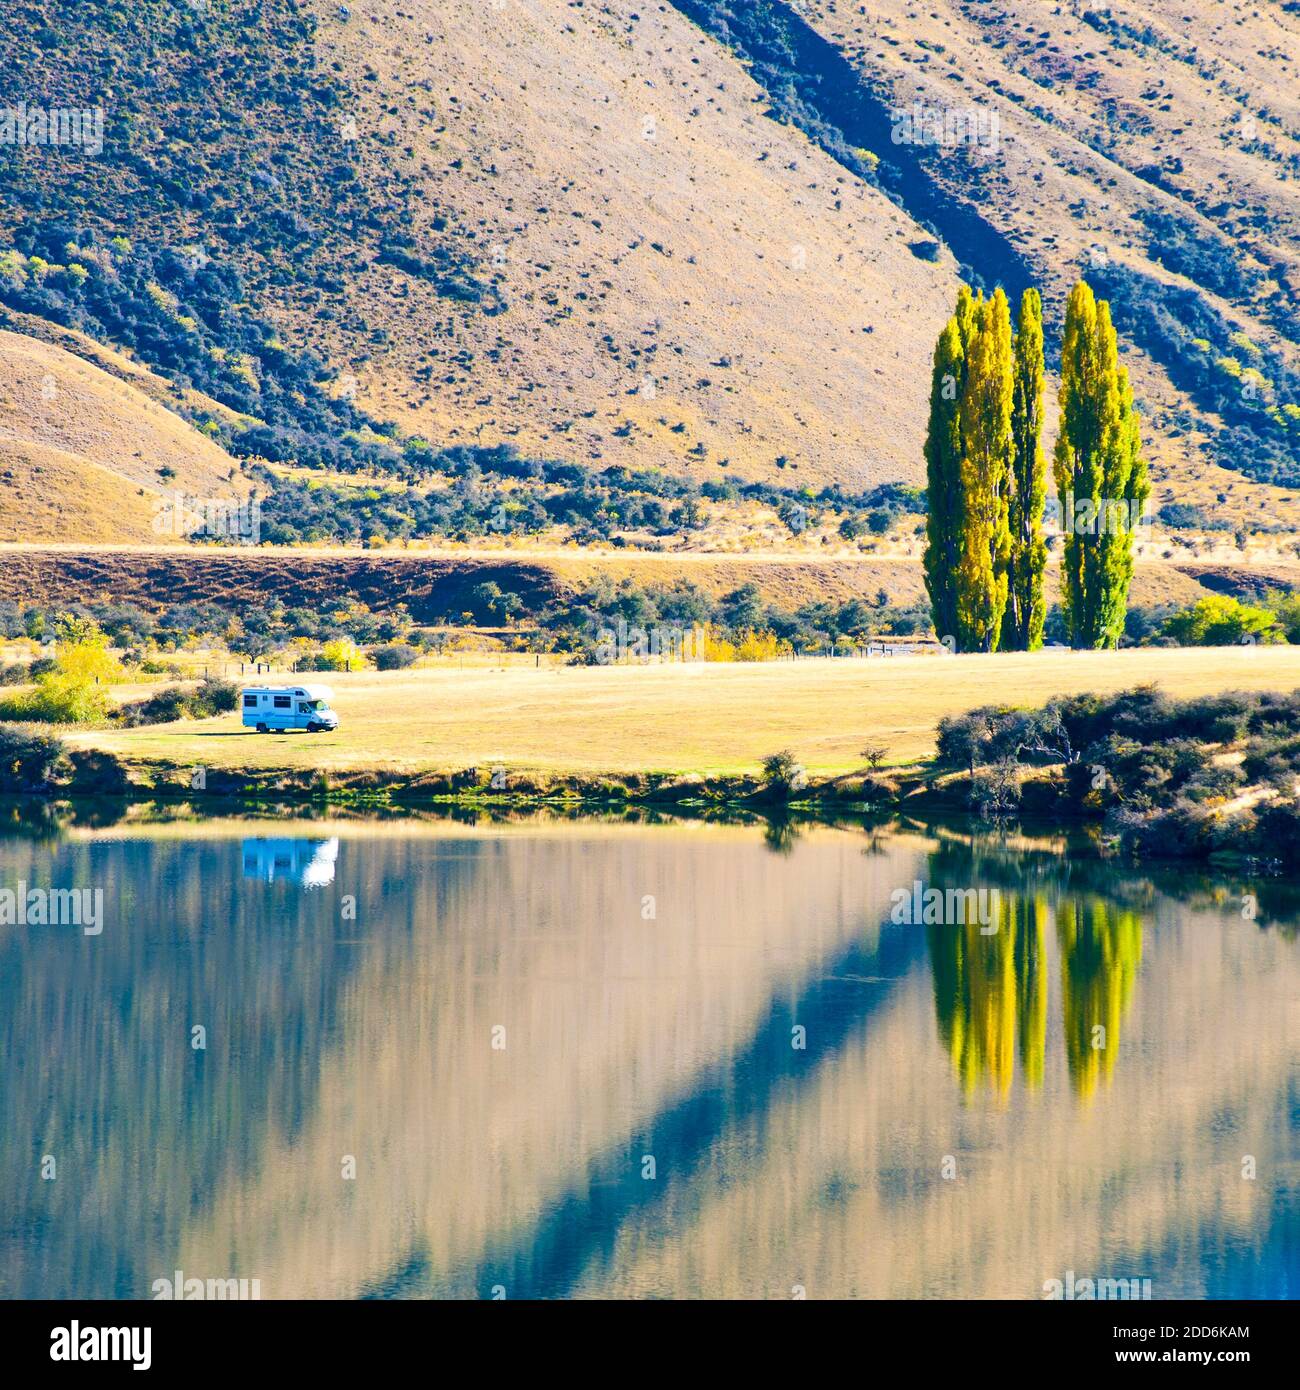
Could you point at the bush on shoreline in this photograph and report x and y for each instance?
(1167, 777)
(28, 758)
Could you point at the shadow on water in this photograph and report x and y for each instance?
(581, 1229)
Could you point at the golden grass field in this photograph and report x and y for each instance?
(708, 718)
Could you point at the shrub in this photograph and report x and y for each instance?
(1279, 831)
(214, 697)
(57, 699)
(784, 773)
(995, 790)
(27, 759)
(1182, 516)
(163, 707)
(1220, 621)
(394, 658)
(342, 654)
(1288, 615)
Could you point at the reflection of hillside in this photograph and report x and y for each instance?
(838, 1188)
(629, 1032)
(609, 1017)
(95, 1035)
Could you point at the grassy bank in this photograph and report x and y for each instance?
(1194, 753)
(671, 721)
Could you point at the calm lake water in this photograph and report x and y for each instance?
(617, 1060)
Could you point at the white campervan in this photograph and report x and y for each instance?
(277, 709)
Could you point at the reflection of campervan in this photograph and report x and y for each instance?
(272, 710)
(309, 862)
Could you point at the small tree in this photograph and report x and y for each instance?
(784, 772)
(1218, 620)
(73, 690)
(874, 753)
(342, 654)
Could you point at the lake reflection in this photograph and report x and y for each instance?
(690, 1060)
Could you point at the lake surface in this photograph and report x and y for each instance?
(588, 1059)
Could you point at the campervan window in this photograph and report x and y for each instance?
(250, 701)
(282, 702)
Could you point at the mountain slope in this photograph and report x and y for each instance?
(86, 455)
(1151, 149)
(685, 282)
(698, 237)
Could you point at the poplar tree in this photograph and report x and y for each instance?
(943, 454)
(1022, 623)
(987, 447)
(1101, 476)
(943, 480)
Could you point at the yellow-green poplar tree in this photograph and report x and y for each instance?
(943, 454)
(1101, 476)
(1022, 622)
(985, 419)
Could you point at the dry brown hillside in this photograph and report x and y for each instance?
(687, 283)
(85, 455)
(598, 232)
(1153, 146)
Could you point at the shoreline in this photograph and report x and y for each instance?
(926, 793)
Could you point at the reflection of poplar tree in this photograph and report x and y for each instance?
(1031, 988)
(1101, 948)
(989, 990)
(975, 1000)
